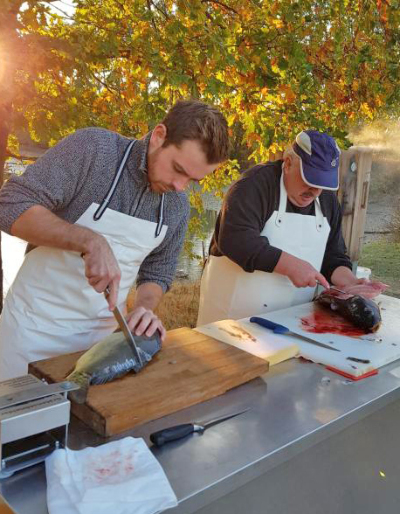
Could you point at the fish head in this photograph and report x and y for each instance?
(365, 312)
(332, 297)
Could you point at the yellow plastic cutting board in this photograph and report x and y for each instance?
(252, 338)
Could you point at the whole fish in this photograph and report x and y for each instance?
(110, 358)
(362, 312)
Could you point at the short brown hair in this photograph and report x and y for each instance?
(195, 120)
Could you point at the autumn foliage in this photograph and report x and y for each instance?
(273, 67)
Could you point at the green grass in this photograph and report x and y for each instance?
(383, 258)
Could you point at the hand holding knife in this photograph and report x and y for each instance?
(123, 325)
(332, 288)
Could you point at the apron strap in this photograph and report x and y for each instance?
(117, 177)
(160, 221)
(319, 217)
(282, 202)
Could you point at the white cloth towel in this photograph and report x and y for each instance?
(121, 477)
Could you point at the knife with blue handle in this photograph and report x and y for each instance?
(281, 329)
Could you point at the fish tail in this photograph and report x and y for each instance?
(83, 381)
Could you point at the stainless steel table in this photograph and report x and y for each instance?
(312, 442)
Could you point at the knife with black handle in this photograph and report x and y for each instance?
(177, 432)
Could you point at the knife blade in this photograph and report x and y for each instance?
(176, 432)
(123, 325)
(334, 288)
(281, 329)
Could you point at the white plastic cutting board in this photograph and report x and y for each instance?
(379, 348)
(252, 338)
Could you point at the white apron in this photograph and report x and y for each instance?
(229, 292)
(51, 309)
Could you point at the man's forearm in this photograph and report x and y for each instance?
(343, 277)
(148, 295)
(284, 263)
(41, 227)
(301, 273)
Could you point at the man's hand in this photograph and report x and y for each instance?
(299, 272)
(144, 321)
(344, 279)
(366, 288)
(40, 227)
(101, 269)
(141, 319)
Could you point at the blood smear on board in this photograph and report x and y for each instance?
(321, 322)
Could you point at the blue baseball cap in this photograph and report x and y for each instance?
(319, 159)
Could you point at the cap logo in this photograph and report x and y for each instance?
(333, 163)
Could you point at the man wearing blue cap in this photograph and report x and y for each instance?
(278, 234)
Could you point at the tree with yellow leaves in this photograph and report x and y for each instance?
(274, 67)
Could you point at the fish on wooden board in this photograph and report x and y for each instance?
(362, 312)
(110, 358)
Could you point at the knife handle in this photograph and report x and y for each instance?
(275, 327)
(172, 434)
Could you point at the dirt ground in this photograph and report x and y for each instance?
(380, 213)
(380, 250)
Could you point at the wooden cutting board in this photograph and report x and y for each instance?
(191, 368)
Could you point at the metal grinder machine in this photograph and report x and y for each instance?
(34, 418)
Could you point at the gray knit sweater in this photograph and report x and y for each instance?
(78, 171)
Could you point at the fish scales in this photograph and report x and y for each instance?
(109, 359)
(114, 371)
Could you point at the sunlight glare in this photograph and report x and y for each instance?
(2, 65)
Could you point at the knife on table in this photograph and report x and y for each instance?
(180, 431)
(123, 325)
(281, 329)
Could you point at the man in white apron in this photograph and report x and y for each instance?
(277, 235)
(101, 210)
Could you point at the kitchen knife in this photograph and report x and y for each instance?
(180, 431)
(280, 329)
(332, 287)
(123, 325)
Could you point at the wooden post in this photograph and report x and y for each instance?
(354, 177)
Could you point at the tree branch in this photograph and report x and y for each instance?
(166, 16)
(9, 153)
(66, 15)
(152, 19)
(113, 91)
(221, 4)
